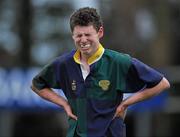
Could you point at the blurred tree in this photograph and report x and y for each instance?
(139, 28)
(119, 26)
(24, 25)
(50, 30)
(160, 49)
(9, 40)
(174, 9)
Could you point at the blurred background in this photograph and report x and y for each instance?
(33, 32)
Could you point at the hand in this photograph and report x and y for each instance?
(68, 110)
(120, 111)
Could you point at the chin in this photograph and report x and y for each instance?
(87, 53)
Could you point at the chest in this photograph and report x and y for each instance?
(100, 81)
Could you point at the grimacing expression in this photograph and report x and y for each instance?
(86, 39)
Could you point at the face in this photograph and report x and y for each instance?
(86, 39)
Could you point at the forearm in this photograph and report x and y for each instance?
(147, 93)
(49, 95)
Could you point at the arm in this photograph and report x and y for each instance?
(140, 96)
(49, 95)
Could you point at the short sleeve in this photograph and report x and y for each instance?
(47, 77)
(141, 76)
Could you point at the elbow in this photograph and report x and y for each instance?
(34, 88)
(166, 83)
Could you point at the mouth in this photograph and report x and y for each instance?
(85, 46)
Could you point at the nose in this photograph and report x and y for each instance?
(83, 39)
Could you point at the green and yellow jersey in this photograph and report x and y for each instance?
(95, 97)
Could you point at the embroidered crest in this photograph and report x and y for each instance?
(73, 85)
(104, 84)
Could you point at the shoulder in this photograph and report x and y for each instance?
(60, 60)
(64, 57)
(117, 56)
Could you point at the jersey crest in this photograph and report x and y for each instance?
(104, 84)
(73, 85)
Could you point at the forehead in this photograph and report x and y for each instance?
(84, 29)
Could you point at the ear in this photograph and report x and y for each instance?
(101, 32)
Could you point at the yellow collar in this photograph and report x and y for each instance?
(93, 58)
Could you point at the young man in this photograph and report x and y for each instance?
(94, 80)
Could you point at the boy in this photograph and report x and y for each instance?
(94, 80)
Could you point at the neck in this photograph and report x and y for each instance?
(84, 58)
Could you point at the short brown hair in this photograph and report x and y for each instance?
(84, 17)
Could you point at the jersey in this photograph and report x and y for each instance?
(95, 99)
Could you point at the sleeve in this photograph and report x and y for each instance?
(141, 76)
(47, 77)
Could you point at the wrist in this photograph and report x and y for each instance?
(65, 105)
(124, 104)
